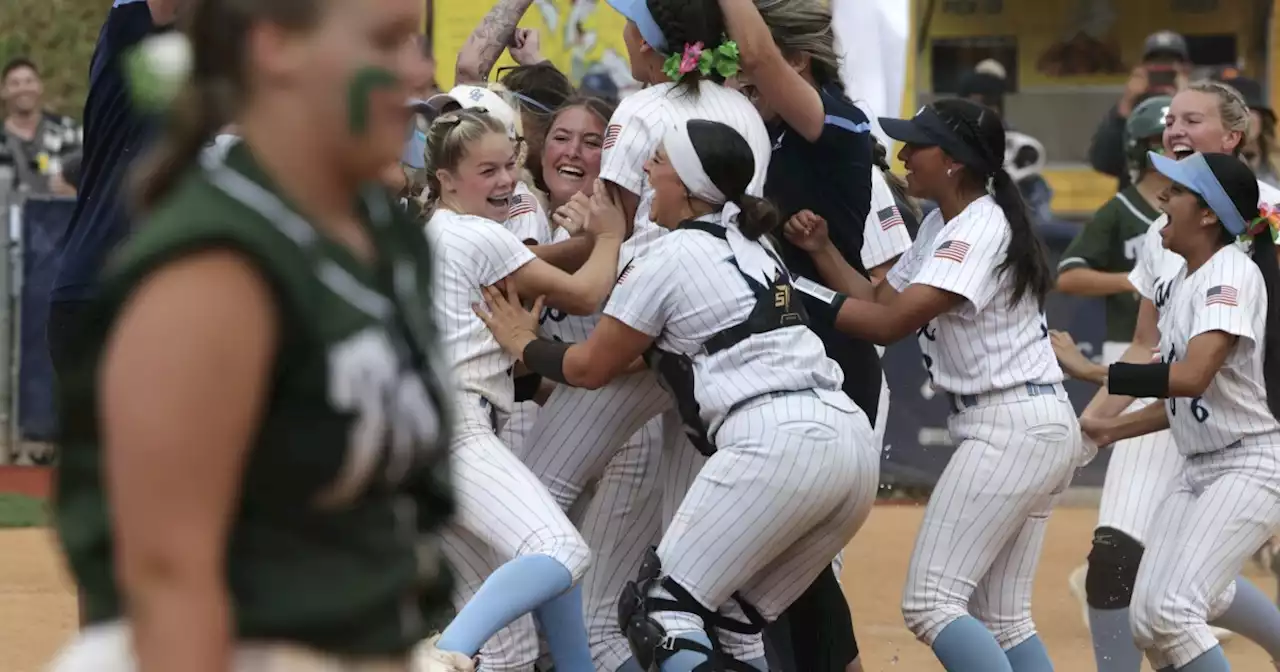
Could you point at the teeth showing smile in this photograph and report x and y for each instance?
(500, 201)
(1182, 150)
(570, 172)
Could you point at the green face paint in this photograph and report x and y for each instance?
(364, 82)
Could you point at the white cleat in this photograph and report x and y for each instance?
(428, 658)
(1075, 581)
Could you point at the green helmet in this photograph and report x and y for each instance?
(1144, 123)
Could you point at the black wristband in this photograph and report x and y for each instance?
(527, 387)
(1139, 380)
(545, 357)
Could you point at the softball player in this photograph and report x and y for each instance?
(1206, 116)
(267, 496)
(968, 592)
(471, 173)
(712, 307)
(578, 431)
(1217, 349)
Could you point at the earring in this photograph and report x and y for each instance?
(949, 171)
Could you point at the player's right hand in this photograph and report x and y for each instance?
(574, 214)
(807, 231)
(1072, 361)
(526, 47)
(608, 219)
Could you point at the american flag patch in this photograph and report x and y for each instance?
(522, 204)
(1222, 295)
(611, 135)
(889, 218)
(952, 250)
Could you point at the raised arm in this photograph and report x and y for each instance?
(487, 42)
(181, 398)
(768, 69)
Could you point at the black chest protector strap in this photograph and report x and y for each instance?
(776, 307)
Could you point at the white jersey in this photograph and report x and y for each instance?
(526, 218)
(687, 289)
(985, 344)
(469, 253)
(1227, 294)
(634, 133)
(885, 236)
(636, 129)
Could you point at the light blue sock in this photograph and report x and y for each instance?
(1213, 660)
(1253, 616)
(967, 646)
(1029, 656)
(514, 589)
(685, 661)
(630, 666)
(566, 631)
(1113, 647)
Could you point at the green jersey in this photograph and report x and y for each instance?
(335, 540)
(1109, 243)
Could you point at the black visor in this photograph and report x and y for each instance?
(927, 129)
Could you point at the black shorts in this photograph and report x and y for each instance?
(814, 634)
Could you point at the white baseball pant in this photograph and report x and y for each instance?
(979, 544)
(1221, 508)
(877, 431)
(792, 480)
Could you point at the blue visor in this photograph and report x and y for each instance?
(415, 151)
(1194, 173)
(637, 11)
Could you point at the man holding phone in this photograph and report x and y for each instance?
(1165, 65)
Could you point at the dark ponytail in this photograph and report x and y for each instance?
(1026, 257)
(193, 120)
(1264, 255)
(727, 159)
(758, 217)
(690, 22)
(218, 32)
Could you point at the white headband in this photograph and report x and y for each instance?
(753, 257)
(684, 159)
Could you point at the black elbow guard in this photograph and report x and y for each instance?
(1139, 380)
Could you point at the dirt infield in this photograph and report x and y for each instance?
(37, 609)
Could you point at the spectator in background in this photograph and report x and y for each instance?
(33, 141)
(986, 86)
(1165, 65)
(1260, 141)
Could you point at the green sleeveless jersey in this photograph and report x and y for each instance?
(335, 544)
(1109, 242)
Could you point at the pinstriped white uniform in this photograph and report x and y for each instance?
(794, 475)
(1017, 438)
(885, 237)
(503, 510)
(1225, 502)
(579, 432)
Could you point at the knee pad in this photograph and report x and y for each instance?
(1113, 569)
(648, 639)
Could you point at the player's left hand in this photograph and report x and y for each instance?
(1072, 361)
(526, 47)
(607, 216)
(512, 326)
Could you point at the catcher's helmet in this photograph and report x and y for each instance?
(1144, 123)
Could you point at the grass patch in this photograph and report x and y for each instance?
(22, 511)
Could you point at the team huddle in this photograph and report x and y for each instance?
(626, 390)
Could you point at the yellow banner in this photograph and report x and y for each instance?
(579, 36)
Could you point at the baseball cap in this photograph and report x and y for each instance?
(637, 11)
(1250, 89)
(1210, 176)
(929, 130)
(1165, 42)
(467, 97)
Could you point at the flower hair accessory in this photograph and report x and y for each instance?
(723, 60)
(1268, 217)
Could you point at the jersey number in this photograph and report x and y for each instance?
(924, 333)
(1198, 411)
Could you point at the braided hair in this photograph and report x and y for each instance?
(690, 22)
(982, 130)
